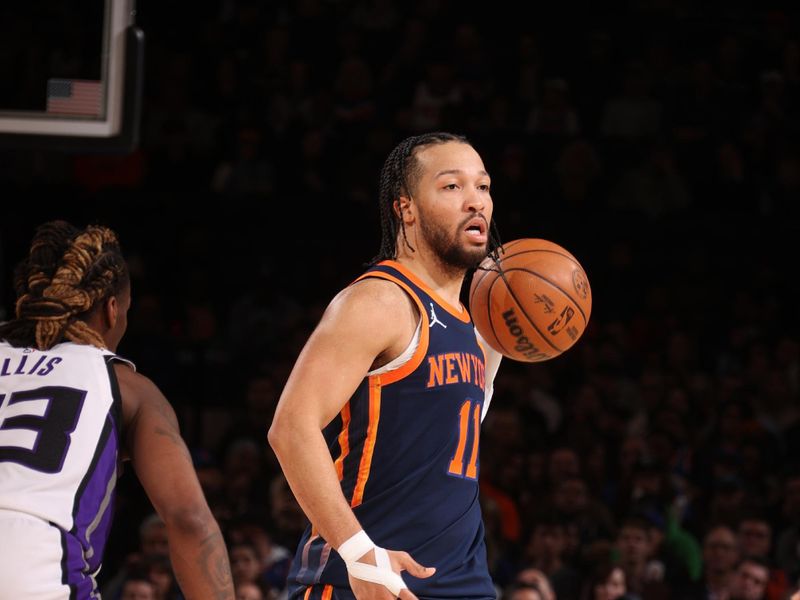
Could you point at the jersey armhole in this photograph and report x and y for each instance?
(404, 356)
(411, 364)
(113, 358)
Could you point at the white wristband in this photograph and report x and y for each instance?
(356, 547)
(381, 573)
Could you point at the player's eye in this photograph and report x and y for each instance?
(451, 186)
(484, 187)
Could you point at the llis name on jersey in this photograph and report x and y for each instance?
(39, 365)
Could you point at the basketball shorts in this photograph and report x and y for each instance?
(31, 560)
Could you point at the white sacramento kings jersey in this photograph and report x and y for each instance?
(60, 420)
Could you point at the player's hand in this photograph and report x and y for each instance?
(400, 561)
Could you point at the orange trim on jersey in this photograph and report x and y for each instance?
(462, 315)
(344, 441)
(307, 595)
(369, 443)
(327, 592)
(422, 348)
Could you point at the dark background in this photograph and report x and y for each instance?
(656, 140)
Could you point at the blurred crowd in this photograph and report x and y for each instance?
(657, 140)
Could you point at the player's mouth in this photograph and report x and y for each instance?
(477, 229)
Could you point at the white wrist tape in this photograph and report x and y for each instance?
(381, 573)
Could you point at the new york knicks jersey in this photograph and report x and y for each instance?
(60, 418)
(405, 448)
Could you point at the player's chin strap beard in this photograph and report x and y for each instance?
(381, 572)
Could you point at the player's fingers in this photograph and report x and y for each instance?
(408, 564)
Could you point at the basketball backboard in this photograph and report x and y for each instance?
(71, 75)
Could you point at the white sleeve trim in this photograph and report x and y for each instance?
(493, 358)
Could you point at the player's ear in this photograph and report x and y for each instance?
(111, 311)
(402, 209)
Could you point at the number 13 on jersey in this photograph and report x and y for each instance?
(469, 421)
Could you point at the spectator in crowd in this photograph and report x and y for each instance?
(152, 543)
(750, 579)
(633, 114)
(720, 558)
(754, 535)
(532, 584)
(607, 582)
(591, 521)
(159, 571)
(275, 559)
(644, 575)
(545, 552)
(249, 591)
(137, 586)
(788, 543)
(245, 563)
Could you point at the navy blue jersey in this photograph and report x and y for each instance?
(405, 447)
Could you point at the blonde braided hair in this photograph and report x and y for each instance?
(66, 274)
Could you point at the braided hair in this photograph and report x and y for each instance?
(399, 175)
(67, 273)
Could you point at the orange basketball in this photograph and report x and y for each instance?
(533, 303)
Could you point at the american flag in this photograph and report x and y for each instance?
(75, 97)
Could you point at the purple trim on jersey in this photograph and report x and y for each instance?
(93, 508)
(81, 586)
(94, 501)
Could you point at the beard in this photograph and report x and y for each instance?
(451, 254)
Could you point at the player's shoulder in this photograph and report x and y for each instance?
(369, 304)
(132, 384)
(370, 294)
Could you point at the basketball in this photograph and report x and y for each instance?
(533, 303)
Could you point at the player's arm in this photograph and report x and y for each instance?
(164, 467)
(368, 320)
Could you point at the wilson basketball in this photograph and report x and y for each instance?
(533, 303)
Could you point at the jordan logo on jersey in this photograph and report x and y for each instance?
(434, 319)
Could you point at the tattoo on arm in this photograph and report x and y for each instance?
(213, 562)
(166, 411)
(169, 426)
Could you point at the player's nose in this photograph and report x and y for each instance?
(474, 200)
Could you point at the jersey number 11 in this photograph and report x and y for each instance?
(457, 464)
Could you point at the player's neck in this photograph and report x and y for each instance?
(445, 282)
(95, 321)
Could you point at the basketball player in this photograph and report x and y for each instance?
(377, 427)
(70, 412)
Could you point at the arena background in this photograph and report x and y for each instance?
(656, 140)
